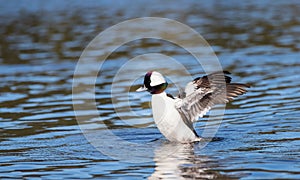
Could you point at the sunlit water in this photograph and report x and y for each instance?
(40, 137)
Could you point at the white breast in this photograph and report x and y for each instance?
(168, 120)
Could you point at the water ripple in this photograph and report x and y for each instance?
(40, 136)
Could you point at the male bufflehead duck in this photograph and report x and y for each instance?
(174, 117)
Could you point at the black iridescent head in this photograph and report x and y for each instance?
(154, 82)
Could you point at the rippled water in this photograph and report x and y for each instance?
(41, 43)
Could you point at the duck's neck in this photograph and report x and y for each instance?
(160, 94)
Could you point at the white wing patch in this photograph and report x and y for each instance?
(190, 88)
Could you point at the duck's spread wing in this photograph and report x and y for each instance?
(216, 78)
(208, 91)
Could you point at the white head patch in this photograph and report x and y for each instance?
(156, 79)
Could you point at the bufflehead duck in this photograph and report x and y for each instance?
(174, 117)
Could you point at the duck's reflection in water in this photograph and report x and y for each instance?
(178, 161)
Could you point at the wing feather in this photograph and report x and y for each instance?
(208, 91)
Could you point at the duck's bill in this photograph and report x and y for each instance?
(141, 89)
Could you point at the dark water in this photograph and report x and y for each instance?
(259, 42)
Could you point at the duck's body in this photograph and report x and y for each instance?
(169, 121)
(174, 117)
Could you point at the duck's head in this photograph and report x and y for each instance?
(154, 83)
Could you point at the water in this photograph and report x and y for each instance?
(40, 138)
